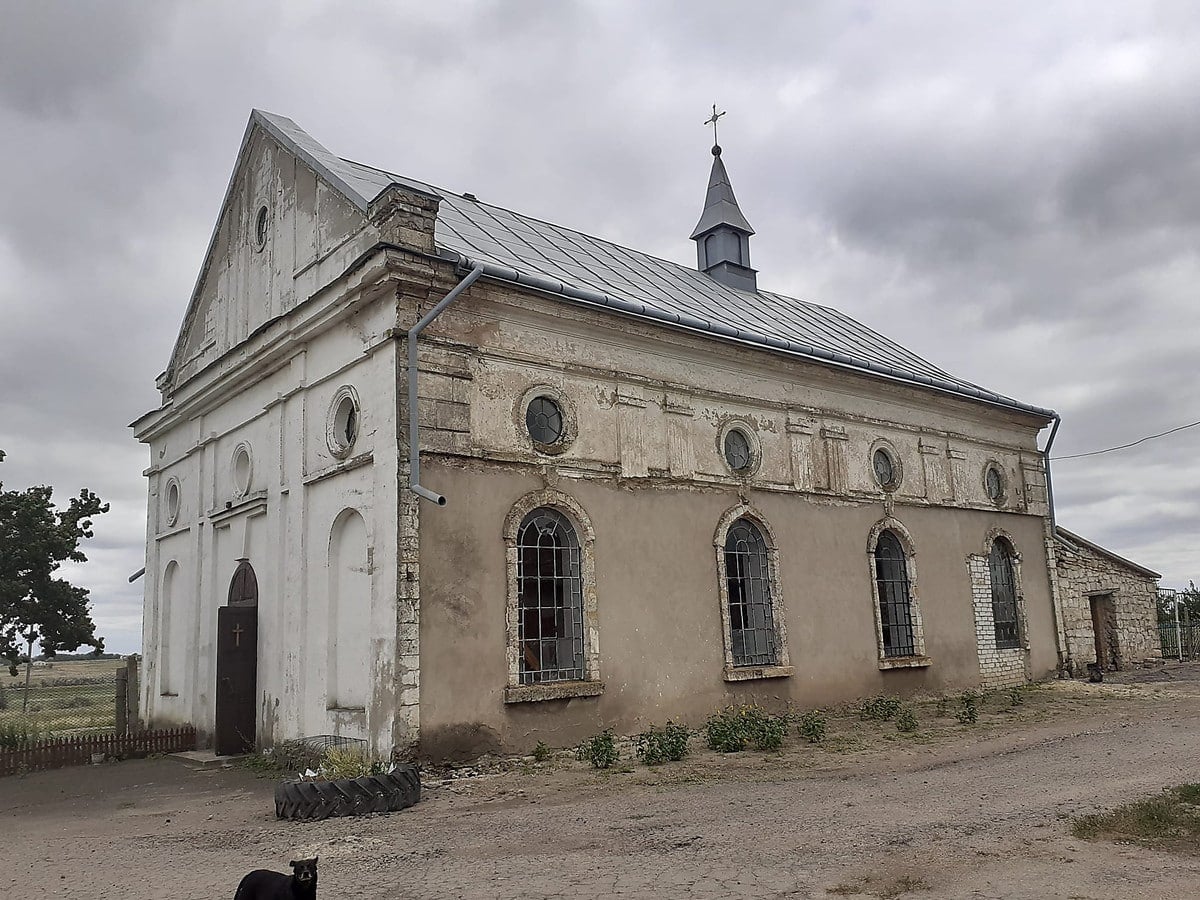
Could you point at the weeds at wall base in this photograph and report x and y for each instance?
(659, 745)
(600, 750)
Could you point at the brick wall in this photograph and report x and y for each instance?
(997, 668)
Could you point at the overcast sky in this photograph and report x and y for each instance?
(1010, 189)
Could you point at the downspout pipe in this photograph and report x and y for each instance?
(1046, 460)
(1064, 652)
(414, 436)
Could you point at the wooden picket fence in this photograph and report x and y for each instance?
(54, 753)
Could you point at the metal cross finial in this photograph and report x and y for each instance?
(712, 120)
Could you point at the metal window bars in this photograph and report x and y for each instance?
(1004, 596)
(895, 599)
(550, 599)
(544, 420)
(751, 617)
(737, 450)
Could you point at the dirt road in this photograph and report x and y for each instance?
(957, 813)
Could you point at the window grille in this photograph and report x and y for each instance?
(885, 469)
(895, 598)
(550, 598)
(737, 450)
(748, 576)
(1004, 596)
(994, 484)
(544, 420)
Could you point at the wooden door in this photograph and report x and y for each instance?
(1104, 630)
(237, 665)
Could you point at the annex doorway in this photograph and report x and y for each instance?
(1104, 627)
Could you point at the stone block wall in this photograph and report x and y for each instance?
(1082, 573)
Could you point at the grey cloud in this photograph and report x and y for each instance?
(1010, 192)
(58, 56)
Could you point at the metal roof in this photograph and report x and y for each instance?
(589, 270)
(1074, 541)
(720, 206)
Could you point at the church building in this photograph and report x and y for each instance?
(446, 478)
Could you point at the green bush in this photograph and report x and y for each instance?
(285, 758)
(906, 720)
(967, 713)
(943, 706)
(812, 726)
(1016, 696)
(659, 745)
(600, 751)
(350, 762)
(736, 727)
(541, 753)
(768, 733)
(13, 734)
(880, 708)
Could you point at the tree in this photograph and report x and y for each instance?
(36, 537)
(1187, 600)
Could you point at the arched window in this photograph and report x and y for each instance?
(895, 597)
(748, 579)
(550, 617)
(243, 587)
(170, 623)
(1004, 595)
(348, 652)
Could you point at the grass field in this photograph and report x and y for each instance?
(65, 697)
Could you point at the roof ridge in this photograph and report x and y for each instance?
(456, 196)
(586, 267)
(1067, 535)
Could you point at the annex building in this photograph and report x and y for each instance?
(429, 472)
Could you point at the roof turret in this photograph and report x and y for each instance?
(720, 206)
(722, 235)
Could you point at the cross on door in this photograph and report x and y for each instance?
(238, 631)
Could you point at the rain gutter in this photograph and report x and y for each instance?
(414, 437)
(744, 336)
(755, 339)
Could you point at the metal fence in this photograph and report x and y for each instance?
(1179, 641)
(68, 697)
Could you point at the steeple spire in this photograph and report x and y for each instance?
(722, 235)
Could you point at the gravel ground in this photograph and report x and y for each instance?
(951, 812)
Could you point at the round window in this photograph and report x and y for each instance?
(261, 223)
(172, 502)
(737, 450)
(241, 470)
(343, 422)
(993, 483)
(544, 420)
(885, 469)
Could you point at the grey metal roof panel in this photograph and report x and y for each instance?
(1071, 538)
(587, 269)
(720, 205)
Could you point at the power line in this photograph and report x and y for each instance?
(1148, 437)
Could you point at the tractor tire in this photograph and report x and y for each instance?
(315, 800)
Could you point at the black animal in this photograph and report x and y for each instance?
(263, 884)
